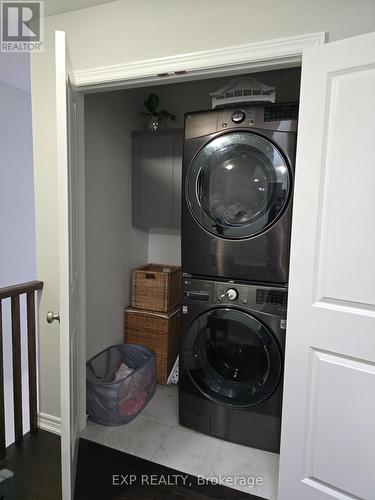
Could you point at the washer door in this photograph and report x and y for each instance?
(238, 185)
(232, 358)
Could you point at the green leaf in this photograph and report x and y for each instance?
(151, 103)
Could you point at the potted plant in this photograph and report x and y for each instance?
(155, 119)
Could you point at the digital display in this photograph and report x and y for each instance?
(281, 112)
(271, 297)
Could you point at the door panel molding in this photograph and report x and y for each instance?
(345, 306)
(329, 435)
(327, 490)
(348, 234)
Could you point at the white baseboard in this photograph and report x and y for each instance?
(49, 423)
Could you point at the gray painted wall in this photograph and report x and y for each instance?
(113, 246)
(17, 214)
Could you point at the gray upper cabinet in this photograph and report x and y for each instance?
(156, 174)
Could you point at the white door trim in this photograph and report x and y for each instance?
(256, 56)
(81, 224)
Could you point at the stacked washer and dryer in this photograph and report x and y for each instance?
(238, 169)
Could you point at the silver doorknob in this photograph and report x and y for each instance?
(51, 316)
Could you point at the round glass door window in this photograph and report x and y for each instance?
(238, 185)
(232, 358)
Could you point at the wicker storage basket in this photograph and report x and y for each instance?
(156, 287)
(159, 332)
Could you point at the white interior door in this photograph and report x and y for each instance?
(66, 109)
(328, 430)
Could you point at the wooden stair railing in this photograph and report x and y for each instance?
(14, 292)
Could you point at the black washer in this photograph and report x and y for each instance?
(231, 361)
(232, 357)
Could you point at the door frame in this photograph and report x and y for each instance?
(213, 63)
(252, 57)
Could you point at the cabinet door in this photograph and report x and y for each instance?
(157, 163)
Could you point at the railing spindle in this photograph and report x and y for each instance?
(17, 380)
(2, 413)
(13, 292)
(32, 362)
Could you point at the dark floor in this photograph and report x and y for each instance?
(36, 467)
(103, 474)
(99, 467)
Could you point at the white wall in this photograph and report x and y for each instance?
(46, 224)
(15, 70)
(124, 31)
(164, 246)
(17, 222)
(113, 247)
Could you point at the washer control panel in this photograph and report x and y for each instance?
(197, 290)
(200, 292)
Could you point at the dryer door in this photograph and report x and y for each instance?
(238, 185)
(232, 358)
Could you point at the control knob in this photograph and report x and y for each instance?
(231, 294)
(238, 116)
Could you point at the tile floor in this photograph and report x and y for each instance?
(157, 436)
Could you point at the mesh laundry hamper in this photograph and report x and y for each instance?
(116, 402)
